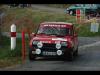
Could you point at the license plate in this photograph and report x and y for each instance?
(49, 53)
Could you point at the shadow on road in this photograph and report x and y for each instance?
(56, 59)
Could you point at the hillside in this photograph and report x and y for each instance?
(31, 17)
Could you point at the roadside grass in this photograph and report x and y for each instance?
(58, 5)
(35, 17)
(10, 57)
(84, 31)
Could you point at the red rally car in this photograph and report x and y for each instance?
(54, 39)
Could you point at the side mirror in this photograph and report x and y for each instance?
(75, 35)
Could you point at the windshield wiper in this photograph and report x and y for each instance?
(57, 35)
(52, 34)
(43, 33)
(60, 35)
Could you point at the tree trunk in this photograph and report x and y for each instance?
(0, 24)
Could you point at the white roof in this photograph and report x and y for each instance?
(56, 23)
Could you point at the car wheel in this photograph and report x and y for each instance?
(31, 56)
(70, 56)
(76, 52)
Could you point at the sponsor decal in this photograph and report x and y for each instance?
(56, 25)
(60, 39)
(46, 41)
(57, 42)
(49, 53)
(38, 38)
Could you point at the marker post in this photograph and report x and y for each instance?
(23, 47)
(78, 15)
(13, 36)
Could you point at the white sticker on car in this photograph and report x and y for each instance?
(60, 39)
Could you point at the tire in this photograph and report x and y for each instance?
(76, 52)
(70, 56)
(31, 56)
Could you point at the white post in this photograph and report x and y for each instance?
(13, 36)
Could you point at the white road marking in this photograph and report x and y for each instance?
(90, 45)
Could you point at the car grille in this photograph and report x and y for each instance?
(45, 45)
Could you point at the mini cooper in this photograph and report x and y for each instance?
(54, 39)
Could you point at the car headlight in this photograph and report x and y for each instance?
(38, 51)
(59, 52)
(40, 45)
(64, 43)
(58, 45)
(35, 42)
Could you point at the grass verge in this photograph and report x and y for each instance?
(10, 57)
(28, 17)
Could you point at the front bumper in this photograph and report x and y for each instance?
(49, 51)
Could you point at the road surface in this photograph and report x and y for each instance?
(87, 60)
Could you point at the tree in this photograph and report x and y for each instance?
(0, 22)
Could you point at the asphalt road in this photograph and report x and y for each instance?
(87, 60)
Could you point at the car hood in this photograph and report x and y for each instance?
(50, 38)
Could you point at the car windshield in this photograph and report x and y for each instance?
(57, 31)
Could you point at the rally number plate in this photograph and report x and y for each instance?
(49, 53)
